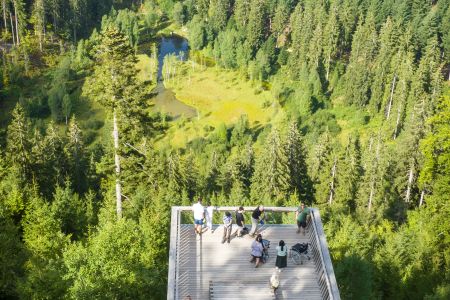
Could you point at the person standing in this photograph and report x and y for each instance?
(227, 224)
(301, 216)
(281, 261)
(199, 215)
(240, 221)
(256, 215)
(209, 216)
(257, 250)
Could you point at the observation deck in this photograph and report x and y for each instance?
(201, 267)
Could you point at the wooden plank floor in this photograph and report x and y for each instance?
(205, 263)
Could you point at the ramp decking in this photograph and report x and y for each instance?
(210, 269)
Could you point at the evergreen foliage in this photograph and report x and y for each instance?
(361, 131)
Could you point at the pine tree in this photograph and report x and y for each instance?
(49, 161)
(112, 263)
(18, 145)
(212, 175)
(331, 37)
(114, 84)
(270, 181)
(241, 14)
(38, 15)
(435, 174)
(256, 28)
(12, 255)
(45, 243)
(300, 181)
(358, 74)
(76, 157)
(383, 77)
(348, 174)
(218, 14)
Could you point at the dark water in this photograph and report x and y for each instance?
(171, 45)
(165, 100)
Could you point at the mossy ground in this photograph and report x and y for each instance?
(220, 97)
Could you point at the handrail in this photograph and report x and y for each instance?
(325, 258)
(320, 241)
(173, 259)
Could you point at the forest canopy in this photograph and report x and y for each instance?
(341, 104)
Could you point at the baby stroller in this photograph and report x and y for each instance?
(266, 246)
(299, 252)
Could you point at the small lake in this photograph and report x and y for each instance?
(165, 100)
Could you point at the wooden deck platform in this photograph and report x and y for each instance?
(208, 269)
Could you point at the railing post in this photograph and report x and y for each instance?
(172, 289)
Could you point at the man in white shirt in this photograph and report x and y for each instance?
(199, 215)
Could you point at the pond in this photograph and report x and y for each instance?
(165, 100)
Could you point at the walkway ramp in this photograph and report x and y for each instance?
(204, 268)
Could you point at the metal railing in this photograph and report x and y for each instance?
(319, 249)
(321, 255)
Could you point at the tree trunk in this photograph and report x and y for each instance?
(17, 24)
(397, 123)
(12, 29)
(4, 14)
(372, 188)
(388, 113)
(117, 163)
(375, 167)
(333, 175)
(422, 194)
(410, 181)
(328, 66)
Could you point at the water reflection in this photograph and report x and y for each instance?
(165, 100)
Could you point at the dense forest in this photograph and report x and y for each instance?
(360, 128)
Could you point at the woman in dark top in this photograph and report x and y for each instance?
(255, 218)
(240, 221)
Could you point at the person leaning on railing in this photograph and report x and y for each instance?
(199, 215)
(256, 216)
(301, 216)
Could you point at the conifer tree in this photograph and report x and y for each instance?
(76, 157)
(270, 181)
(218, 14)
(331, 37)
(383, 77)
(256, 28)
(435, 174)
(241, 14)
(18, 145)
(358, 74)
(212, 175)
(49, 162)
(114, 84)
(45, 243)
(348, 174)
(296, 160)
(12, 255)
(39, 15)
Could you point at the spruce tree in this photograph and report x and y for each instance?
(348, 174)
(300, 181)
(114, 84)
(256, 28)
(76, 157)
(18, 146)
(359, 70)
(270, 181)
